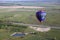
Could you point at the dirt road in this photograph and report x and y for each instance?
(20, 7)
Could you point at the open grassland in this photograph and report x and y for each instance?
(27, 15)
(5, 34)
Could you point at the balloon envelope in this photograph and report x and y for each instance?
(41, 15)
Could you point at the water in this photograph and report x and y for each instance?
(21, 35)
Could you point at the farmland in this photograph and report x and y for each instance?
(27, 16)
(6, 32)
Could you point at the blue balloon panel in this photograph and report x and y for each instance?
(41, 15)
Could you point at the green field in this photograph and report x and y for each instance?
(5, 33)
(28, 17)
(22, 15)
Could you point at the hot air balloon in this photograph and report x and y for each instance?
(41, 15)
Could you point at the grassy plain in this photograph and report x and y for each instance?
(26, 15)
(16, 15)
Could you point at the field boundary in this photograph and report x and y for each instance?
(20, 7)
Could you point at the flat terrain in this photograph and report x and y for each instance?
(27, 16)
(20, 7)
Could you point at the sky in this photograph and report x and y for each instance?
(30, 0)
(18, 0)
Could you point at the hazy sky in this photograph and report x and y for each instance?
(18, 0)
